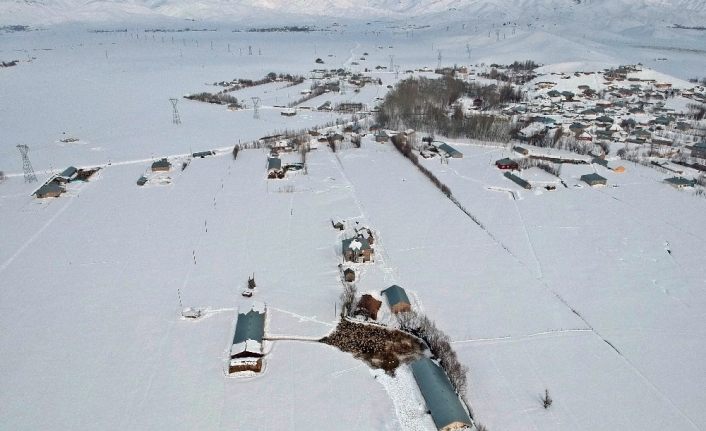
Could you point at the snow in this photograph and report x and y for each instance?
(570, 291)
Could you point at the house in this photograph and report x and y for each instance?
(246, 352)
(349, 275)
(594, 180)
(517, 180)
(442, 402)
(357, 250)
(68, 175)
(368, 307)
(585, 136)
(450, 151)
(162, 165)
(50, 190)
(381, 136)
(274, 168)
(397, 298)
(507, 163)
(522, 150)
(289, 112)
(680, 182)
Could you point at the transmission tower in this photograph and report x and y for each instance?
(392, 62)
(256, 107)
(438, 57)
(175, 111)
(342, 86)
(397, 71)
(26, 164)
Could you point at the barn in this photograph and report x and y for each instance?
(517, 180)
(246, 352)
(445, 407)
(397, 298)
(357, 250)
(507, 163)
(680, 182)
(594, 180)
(368, 306)
(162, 165)
(450, 151)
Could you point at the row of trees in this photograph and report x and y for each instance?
(406, 150)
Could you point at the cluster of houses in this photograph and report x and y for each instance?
(56, 185)
(629, 108)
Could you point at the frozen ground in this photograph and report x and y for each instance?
(569, 290)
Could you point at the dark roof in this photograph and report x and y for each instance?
(517, 180)
(161, 164)
(506, 161)
(593, 178)
(203, 153)
(395, 295)
(448, 149)
(441, 400)
(250, 326)
(274, 163)
(679, 181)
(49, 188)
(68, 172)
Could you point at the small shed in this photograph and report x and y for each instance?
(162, 165)
(349, 275)
(680, 182)
(594, 180)
(517, 180)
(49, 190)
(450, 151)
(357, 250)
(522, 150)
(202, 154)
(368, 306)
(397, 298)
(68, 175)
(445, 407)
(507, 163)
(274, 167)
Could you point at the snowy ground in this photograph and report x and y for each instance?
(570, 290)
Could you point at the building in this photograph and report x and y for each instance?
(246, 352)
(50, 190)
(517, 180)
(507, 163)
(289, 112)
(368, 307)
(594, 180)
(357, 250)
(680, 182)
(450, 151)
(68, 175)
(349, 275)
(274, 168)
(203, 154)
(162, 165)
(699, 150)
(445, 407)
(397, 298)
(381, 136)
(522, 150)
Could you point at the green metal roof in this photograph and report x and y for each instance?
(441, 400)
(517, 180)
(593, 178)
(274, 163)
(395, 295)
(250, 326)
(679, 181)
(448, 149)
(68, 172)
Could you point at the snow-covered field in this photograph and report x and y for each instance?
(570, 290)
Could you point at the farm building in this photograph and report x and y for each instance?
(274, 168)
(680, 182)
(349, 275)
(522, 150)
(446, 409)
(507, 163)
(397, 298)
(203, 154)
(450, 151)
(49, 190)
(161, 166)
(68, 175)
(594, 180)
(246, 352)
(368, 307)
(357, 250)
(517, 180)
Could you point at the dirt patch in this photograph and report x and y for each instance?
(380, 347)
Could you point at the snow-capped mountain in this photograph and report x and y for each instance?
(590, 12)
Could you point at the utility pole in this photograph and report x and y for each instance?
(438, 57)
(175, 111)
(30, 177)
